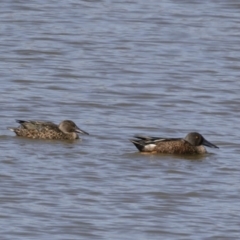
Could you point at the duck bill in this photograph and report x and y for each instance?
(208, 144)
(78, 130)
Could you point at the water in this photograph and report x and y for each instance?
(119, 68)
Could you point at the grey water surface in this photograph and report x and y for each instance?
(120, 68)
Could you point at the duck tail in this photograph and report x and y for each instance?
(11, 129)
(139, 145)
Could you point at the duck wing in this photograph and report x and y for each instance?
(148, 139)
(38, 125)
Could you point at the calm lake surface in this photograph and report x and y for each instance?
(120, 68)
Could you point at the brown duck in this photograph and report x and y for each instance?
(66, 130)
(193, 143)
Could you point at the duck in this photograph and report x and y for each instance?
(66, 130)
(192, 143)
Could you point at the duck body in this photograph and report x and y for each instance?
(66, 130)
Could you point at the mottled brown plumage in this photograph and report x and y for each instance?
(191, 144)
(66, 130)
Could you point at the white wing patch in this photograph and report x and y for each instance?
(149, 147)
